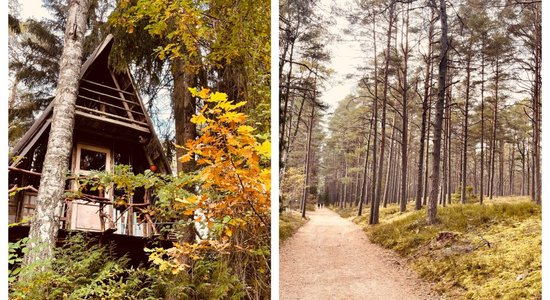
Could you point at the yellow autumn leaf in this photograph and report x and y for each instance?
(245, 129)
(185, 158)
(240, 104)
(264, 149)
(203, 93)
(228, 231)
(200, 119)
(233, 117)
(193, 91)
(218, 97)
(226, 105)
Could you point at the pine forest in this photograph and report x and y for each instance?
(434, 153)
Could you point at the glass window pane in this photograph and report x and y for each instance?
(92, 160)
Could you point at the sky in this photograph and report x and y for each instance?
(32, 8)
(345, 57)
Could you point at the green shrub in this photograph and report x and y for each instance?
(84, 270)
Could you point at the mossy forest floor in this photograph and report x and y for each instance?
(289, 222)
(490, 251)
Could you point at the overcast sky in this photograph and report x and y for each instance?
(32, 8)
(345, 58)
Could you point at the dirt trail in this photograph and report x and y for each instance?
(332, 258)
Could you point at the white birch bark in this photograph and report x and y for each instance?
(45, 222)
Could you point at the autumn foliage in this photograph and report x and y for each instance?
(233, 194)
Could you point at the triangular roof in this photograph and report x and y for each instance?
(121, 107)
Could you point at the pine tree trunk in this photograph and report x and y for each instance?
(512, 170)
(501, 169)
(537, 178)
(494, 135)
(465, 132)
(363, 194)
(375, 210)
(375, 138)
(482, 161)
(308, 156)
(448, 138)
(405, 124)
(49, 202)
(438, 124)
(390, 165)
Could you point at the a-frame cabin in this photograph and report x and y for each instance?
(111, 127)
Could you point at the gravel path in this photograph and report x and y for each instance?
(331, 258)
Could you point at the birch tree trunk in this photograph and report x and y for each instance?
(45, 222)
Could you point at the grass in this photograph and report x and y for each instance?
(490, 251)
(289, 222)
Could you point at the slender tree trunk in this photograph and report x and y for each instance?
(432, 206)
(308, 156)
(537, 178)
(285, 99)
(375, 210)
(465, 131)
(448, 139)
(375, 139)
(184, 107)
(511, 175)
(405, 124)
(357, 190)
(476, 187)
(482, 161)
(445, 154)
(494, 134)
(390, 165)
(45, 222)
(365, 170)
(501, 169)
(523, 170)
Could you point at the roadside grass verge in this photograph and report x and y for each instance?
(490, 251)
(289, 222)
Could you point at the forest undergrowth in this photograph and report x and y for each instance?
(473, 251)
(289, 223)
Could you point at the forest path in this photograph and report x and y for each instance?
(331, 258)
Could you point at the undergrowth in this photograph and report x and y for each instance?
(289, 222)
(474, 251)
(82, 269)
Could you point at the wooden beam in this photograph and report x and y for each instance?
(24, 171)
(108, 104)
(107, 95)
(128, 110)
(106, 86)
(107, 117)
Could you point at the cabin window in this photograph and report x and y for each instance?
(91, 158)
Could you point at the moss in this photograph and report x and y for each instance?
(289, 222)
(474, 251)
(346, 212)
